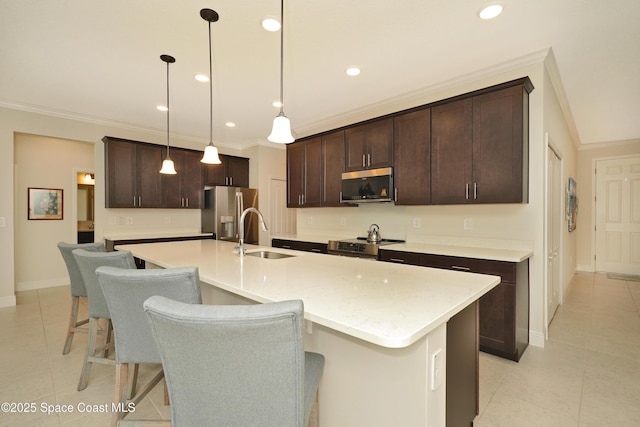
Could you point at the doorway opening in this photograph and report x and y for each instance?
(85, 202)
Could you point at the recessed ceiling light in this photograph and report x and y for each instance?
(202, 78)
(162, 108)
(490, 11)
(353, 71)
(230, 124)
(270, 24)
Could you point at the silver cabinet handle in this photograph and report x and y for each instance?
(475, 190)
(369, 159)
(466, 191)
(459, 268)
(315, 250)
(400, 260)
(134, 201)
(364, 161)
(286, 246)
(303, 199)
(299, 199)
(139, 201)
(230, 180)
(395, 194)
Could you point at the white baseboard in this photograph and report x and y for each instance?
(8, 301)
(582, 267)
(41, 284)
(536, 339)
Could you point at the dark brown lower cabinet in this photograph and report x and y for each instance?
(504, 310)
(463, 367)
(297, 245)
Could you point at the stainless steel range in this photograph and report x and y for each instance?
(359, 247)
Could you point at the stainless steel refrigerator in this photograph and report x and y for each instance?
(222, 209)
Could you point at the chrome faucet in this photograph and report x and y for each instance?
(240, 246)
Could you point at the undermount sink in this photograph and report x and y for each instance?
(268, 254)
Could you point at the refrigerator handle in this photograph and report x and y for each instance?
(240, 209)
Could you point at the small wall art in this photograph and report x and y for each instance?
(572, 204)
(45, 203)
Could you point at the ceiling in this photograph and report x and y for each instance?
(99, 60)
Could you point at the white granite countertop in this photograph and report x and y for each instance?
(387, 304)
(457, 250)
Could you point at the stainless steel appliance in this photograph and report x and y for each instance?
(367, 186)
(222, 209)
(358, 247)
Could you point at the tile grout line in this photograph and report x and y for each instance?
(47, 348)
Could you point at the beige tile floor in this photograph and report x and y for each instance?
(588, 374)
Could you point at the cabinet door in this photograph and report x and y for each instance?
(333, 166)
(215, 174)
(120, 171)
(369, 145)
(148, 183)
(451, 150)
(171, 188)
(499, 146)
(412, 151)
(238, 171)
(355, 148)
(295, 174)
(312, 172)
(379, 138)
(191, 180)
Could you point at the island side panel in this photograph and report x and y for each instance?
(365, 384)
(368, 385)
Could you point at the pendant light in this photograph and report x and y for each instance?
(281, 131)
(167, 165)
(210, 151)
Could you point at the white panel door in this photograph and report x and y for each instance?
(618, 215)
(554, 218)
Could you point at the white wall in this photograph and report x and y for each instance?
(45, 163)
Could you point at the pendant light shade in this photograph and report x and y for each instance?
(167, 165)
(281, 131)
(210, 152)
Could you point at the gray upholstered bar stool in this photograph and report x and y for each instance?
(88, 262)
(125, 292)
(238, 365)
(78, 290)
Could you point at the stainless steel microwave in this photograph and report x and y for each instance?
(367, 186)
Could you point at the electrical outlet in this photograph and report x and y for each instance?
(343, 220)
(417, 223)
(129, 220)
(167, 220)
(310, 220)
(120, 220)
(113, 220)
(3, 222)
(468, 223)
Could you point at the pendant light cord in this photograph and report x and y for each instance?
(281, 56)
(168, 109)
(210, 90)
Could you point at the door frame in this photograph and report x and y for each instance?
(594, 184)
(551, 146)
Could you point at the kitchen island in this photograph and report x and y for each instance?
(381, 327)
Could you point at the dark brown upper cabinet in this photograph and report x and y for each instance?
(412, 164)
(132, 174)
(183, 190)
(369, 145)
(479, 148)
(233, 171)
(304, 173)
(332, 167)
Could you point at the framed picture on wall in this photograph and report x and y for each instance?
(45, 203)
(572, 204)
